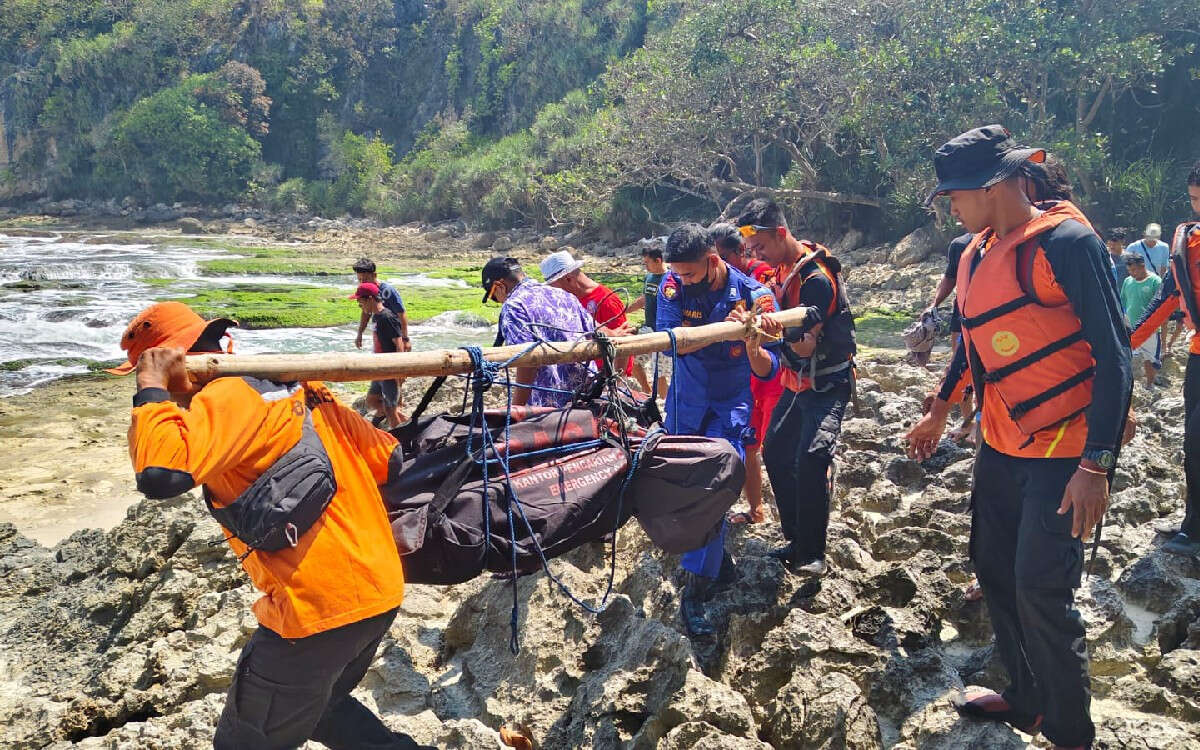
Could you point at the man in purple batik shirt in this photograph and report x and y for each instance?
(536, 312)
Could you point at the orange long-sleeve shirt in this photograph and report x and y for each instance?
(345, 567)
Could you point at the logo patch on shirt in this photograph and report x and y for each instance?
(764, 301)
(1005, 343)
(669, 290)
(736, 351)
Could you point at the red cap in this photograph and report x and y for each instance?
(366, 289)
(170, 324)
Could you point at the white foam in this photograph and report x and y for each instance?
(85, 290)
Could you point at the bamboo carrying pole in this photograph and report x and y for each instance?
(348, 366)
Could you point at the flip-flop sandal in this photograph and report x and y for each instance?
(981, 703)
(743, 517)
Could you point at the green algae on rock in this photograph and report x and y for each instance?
(262, 306)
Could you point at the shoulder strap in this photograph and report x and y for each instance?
(1026, 255)
(820, 269)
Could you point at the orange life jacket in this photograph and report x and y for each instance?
(836, 345)
(1184, 251)
(1032, 353)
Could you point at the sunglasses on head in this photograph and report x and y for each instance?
(752, 229)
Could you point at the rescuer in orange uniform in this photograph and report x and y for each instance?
(331, 582)
(1047, 350)
(1181, 291)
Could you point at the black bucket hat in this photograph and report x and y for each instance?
(978, 159)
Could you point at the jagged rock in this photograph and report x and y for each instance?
(548, 244)
(501, 244)
(1140, 730)
(883, 497)
(905, 471)
(438, 235)
(826, 711)
(848, 243)
(483, 240)
(918, 245)
(959, 476)
(1180, 672)
(804, 641)
(937, 726)
(1180, 624)
(189, 225)
(904, 542)
(703, 699)
(698, 735)
(858, 469)
(1152, 583)
(894, 587)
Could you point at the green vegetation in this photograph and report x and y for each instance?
(259, 306)
(881, 329)
(172, 145)
(92, 365)
(619, 115)
(274, 265)
(263, 306)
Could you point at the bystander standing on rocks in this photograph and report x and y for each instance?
(1137, 290)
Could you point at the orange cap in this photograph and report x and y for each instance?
(170, 324)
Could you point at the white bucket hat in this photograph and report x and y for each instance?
(559, 264)
(1153, 232)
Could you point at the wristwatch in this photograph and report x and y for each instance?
(1104, 459)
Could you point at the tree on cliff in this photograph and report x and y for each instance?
(192, 141)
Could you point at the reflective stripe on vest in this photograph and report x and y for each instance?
(1032, 353)
(1183, 265)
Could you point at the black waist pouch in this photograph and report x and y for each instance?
(282, 504)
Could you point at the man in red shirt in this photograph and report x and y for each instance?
(732, 249)
(603, 304)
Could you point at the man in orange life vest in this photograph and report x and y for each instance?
(1047, 350)
(331, 588)
(732, 249)
(819, 359)
(1181, 291)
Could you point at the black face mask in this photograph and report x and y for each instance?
(700, 287)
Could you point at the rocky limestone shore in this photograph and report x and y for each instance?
(128, 638)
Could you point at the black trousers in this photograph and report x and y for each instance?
(1191, 446)
(285, 692)
(798, 452)
(1028, 566)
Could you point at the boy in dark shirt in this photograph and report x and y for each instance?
(384, 395)
(364, 269)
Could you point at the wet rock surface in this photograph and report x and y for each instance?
(128, 637)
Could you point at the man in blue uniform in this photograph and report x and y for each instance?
(710, 388)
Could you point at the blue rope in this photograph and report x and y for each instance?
(556, 450)
(483, 376)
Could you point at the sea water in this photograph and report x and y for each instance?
(66, 297)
